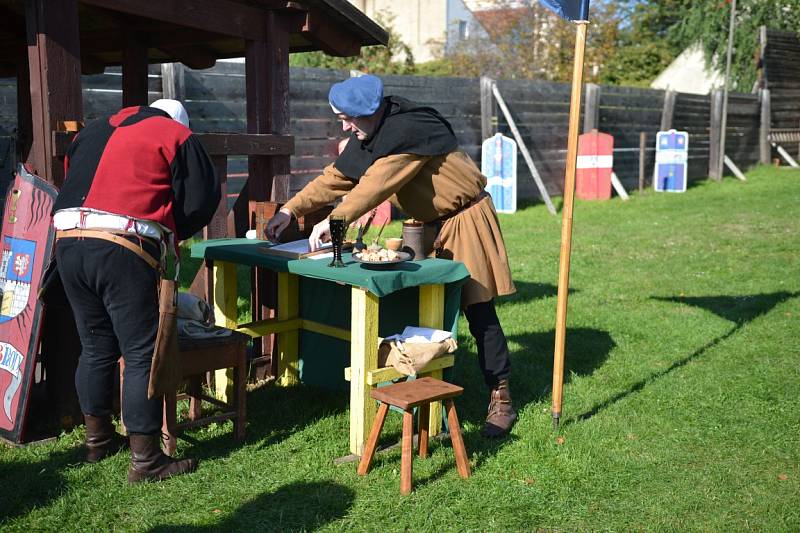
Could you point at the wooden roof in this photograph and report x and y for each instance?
(194, 32)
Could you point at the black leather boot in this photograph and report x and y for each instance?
(102, 439)
(148, 463)
(501, 415)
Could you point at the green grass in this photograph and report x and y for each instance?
(680, 401)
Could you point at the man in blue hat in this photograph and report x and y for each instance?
(408, 154)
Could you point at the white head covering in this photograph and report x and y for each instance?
(174, 109)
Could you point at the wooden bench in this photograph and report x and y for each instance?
(199, 356)
(407, 395)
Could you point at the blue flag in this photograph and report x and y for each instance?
(568, 9)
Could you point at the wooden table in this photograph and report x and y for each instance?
(433, 277)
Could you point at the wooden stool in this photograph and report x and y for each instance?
(199, 356)
(407, 395)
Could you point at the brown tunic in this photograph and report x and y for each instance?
(426, 188)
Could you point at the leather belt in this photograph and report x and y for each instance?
(112, 237)
(437, 223)
(448, 216)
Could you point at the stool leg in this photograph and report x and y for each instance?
(408, 445)
(462, 462)
(194, 390)
(424, 416)
(170, 421)
(372, 441)
(240, 384)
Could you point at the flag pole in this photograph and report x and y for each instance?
(566, 220)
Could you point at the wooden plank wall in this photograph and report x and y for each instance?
(215, 101)
(782, 66)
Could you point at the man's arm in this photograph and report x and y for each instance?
(384, 178)
(196, 188)
(324, 189)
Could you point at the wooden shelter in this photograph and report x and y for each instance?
(48, 44)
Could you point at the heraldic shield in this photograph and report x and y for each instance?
(27, 240)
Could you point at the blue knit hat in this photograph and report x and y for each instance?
(356, 97)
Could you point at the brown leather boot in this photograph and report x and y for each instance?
(102, 439)
(148, 463)
(501, 415)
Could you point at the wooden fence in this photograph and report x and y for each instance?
(215, 101)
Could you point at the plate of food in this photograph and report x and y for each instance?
(380, 257)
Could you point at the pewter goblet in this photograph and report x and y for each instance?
(337, 226)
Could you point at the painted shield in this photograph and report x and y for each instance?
(26, 238)
(594, 165)
(499, 165)
(672, 156)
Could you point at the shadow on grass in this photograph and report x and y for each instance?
(34, 484)
(531, 376)
(740, 310)
(273, 414)
(301, 506)
(527, 292)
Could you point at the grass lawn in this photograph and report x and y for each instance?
(680, 402)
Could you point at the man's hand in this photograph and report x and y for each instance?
(321, 233)
(277, 224)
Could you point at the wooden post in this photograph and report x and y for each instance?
(765, 151)
(134, 71)
(24, 124)
(288, 341)
(488, 109)
(267, 94)
(762, 58)
(642, 155)
(668, 110)
(723, 130)
(566, 221)
(173, 81)
(363, 357)
(591, 112)
(55, 78)
(714, 159)
(225, 315)
(431, 315)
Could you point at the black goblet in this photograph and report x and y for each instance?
(337, 227)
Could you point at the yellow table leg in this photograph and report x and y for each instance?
(288, 341)
(431, 315)
(226, 315)
(363, 357)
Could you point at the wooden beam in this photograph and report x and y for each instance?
(216, 144)
(195, 56)
(328, 37)
(134, 70)
(55, 82)
(218, 16)
(91, 64)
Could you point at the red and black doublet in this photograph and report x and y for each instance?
(140, 164)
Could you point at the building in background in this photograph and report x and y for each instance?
(688, 74)
(430, 28)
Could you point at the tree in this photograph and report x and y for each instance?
(646, 44)
(706, 21)
(524, 40)
(374, 59)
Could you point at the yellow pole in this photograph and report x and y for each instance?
(566, 220)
